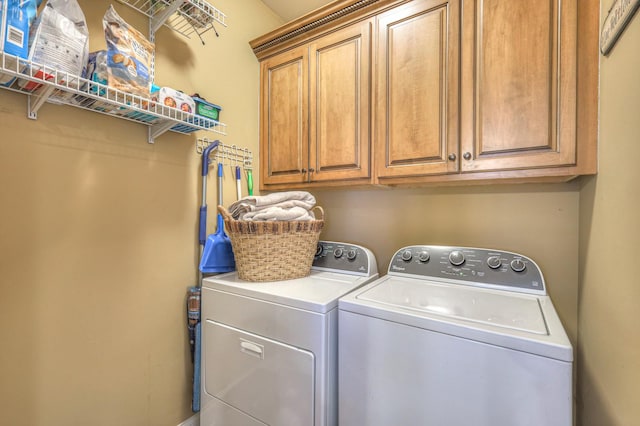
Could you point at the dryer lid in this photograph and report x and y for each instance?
(318, 292)
(501, 309)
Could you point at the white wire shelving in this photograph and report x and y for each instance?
(186, 17)
(42, 84)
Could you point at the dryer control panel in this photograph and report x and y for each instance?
(345, 258)
(471, 266)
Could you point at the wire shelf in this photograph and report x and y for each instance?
(45, 84)
(186, 17)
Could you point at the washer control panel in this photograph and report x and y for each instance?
(472, 266)
(344, 257)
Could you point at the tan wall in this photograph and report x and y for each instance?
(98, 238)
(609, 362)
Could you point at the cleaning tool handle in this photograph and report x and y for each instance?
(205, 156)
(220, 201)
(250, 182)
(202, 234)
(238, 183)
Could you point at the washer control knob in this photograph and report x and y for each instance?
(337, 253)
(494, 262)
(319, 249)
(518, 265)
(423, 256)
(407, 255)
(351, 254)
(456, 258)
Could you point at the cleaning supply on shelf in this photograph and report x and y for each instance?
(288, 205)
(206, 109)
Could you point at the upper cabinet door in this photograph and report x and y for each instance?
(416, 90)
(339, 104)
(518, 84)
(284, 140)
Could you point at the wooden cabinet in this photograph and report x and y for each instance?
(518, 85)
(284, 138)
(417, 89)
(315, 105)
(460, 90)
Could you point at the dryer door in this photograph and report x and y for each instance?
(270, 381)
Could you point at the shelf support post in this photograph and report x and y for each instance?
(34, 105)
(158, 129)
(158, 21)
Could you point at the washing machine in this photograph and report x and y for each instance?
(269, 349)
(454, 336)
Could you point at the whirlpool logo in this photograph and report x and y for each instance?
(398, 268)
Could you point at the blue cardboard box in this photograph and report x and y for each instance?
(15, 21)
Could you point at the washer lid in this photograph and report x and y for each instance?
(506, 310)
(511, 320)
(318, 292)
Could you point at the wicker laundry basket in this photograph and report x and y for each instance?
(273, 250)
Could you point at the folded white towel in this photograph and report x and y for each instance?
(278, 213)
(282, 200)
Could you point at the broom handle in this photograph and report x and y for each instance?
(220, 201)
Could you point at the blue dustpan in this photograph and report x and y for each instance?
(217, 255)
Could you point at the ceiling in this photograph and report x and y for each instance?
(292, 9)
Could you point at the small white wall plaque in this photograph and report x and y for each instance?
(617, 19)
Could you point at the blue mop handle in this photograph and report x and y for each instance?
(202, 233)
(202, 228)
(205, 157)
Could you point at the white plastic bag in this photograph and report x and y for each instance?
(59, 39)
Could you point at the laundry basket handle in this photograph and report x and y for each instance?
(321, 210)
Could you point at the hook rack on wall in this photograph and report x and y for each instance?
(228, 155)
(236, 157)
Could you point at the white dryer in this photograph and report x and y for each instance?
(454, 336)
(269, 349)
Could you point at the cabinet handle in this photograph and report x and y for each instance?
(311, 170)
(304, 171)
(467, 156)
(452, 157)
